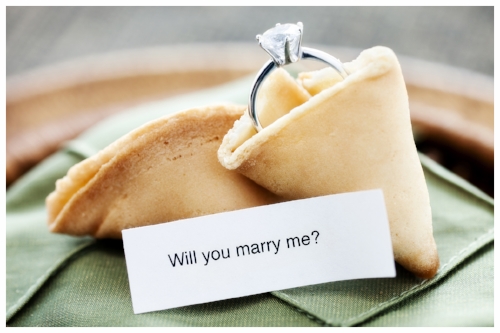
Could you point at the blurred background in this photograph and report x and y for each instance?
(457, 36)
(68, 67)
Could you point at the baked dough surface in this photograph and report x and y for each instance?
(351, 135)
(163, 171)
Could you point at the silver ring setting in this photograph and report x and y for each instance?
(284, 44)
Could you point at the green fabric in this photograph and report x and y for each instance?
(58, 280)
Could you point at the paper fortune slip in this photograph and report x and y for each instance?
(256, 250)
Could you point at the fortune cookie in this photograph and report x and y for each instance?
(164, 170)
(353, 134)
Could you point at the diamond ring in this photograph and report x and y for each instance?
(283, 44)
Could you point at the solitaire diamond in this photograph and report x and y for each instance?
(282, 43)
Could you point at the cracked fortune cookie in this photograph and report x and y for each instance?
(353, 134)
(164, 170)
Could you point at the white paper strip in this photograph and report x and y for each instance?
(251, 251)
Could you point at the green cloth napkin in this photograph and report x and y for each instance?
(58, 280)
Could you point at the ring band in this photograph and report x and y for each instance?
(283, 43)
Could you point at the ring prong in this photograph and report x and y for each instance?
(287, 51)
(258, 37)
(300, 25)
(278, 24)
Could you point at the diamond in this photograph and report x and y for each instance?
(282, 43)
